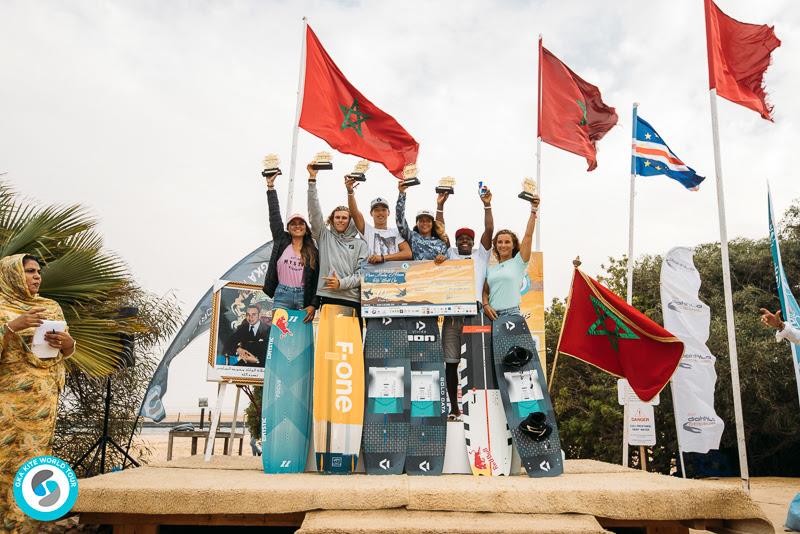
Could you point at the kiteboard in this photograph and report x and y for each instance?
(427, 435)
(286, 400)
(338, 390)
(523, 388)
(487, 435)
(388, 394)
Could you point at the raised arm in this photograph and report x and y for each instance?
(488, 220)
(440, 200)
(358, 217)
(525, 246)
(400, 213)
(314, 209)
(275, 221)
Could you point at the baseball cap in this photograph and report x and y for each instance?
(294, 216)
(378, 201)
(425, 213)
(467, 231)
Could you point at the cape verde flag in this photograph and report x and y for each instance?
(652, 156)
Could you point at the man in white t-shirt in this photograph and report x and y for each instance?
(383, 243)
(453, 326)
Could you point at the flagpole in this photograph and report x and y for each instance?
(677, 427)
(629, 293)
(538, 243)
(726, 281)
(300, 88)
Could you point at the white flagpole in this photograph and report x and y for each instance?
(300, 87)
(538, 241)
(629, 296)
(726, 281)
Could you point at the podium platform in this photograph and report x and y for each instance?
(589, 497)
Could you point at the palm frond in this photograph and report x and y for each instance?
(42, 231)
(83, 275)
(99, 345)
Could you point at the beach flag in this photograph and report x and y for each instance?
(738, 56)
(338, 113)
(652, 157)
(603, 330)
(572, 114)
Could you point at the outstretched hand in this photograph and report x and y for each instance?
(486, 198)
(772, 319)
(442, 198)
(401, 187)
(312, 172)
(350, 183)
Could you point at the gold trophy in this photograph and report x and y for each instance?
(528, 189)
(359, 173)
(446, 185)
(322, 161)
(410, 175)
(271, 169)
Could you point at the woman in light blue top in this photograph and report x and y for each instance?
(501, 294)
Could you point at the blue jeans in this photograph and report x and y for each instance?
(508, 311)
(287, 297)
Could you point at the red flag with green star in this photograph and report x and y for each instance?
(602, 329)
(572, 114)
(338, 113)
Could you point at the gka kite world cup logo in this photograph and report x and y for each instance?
(45, 488)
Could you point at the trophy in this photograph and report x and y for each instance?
(528, 189)
(271, 169)
(446, 185)
(410, 175)
(359, 173)
(322, 161)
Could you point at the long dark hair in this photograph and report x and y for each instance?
(309, 250)
(514, 242)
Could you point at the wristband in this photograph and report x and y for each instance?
(350, 193)
(487, 207)
(8, 327)
(439, 211)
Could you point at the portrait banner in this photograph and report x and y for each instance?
(240, 324)
(418, 289)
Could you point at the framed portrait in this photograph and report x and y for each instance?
(240, 324)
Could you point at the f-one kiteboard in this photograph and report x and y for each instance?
(286, 401)
(338, 390)
(487, 435)
(388, 399)
(428, 423)
(523, 387)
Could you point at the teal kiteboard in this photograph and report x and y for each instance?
(523, 387)
(286, 401)
(388, 400)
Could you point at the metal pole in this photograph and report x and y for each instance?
(726, 281)
(632, 198)
(300, 87)
(677, 429)
(538, 239)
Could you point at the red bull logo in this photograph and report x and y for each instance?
(281, 321)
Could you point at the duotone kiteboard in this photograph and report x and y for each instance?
(523, 387)
(487, 435)
(427, 435)
(286, 400)
(388, 399)
(338, 390)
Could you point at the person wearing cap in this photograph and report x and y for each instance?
(501, 294)
(453, 325)
(383, 243)
(341, 251)
(293, 271)
(427, 238)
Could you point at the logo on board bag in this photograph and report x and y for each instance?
(45, 488)
(344, 379)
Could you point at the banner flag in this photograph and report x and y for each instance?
(336, 112)
(685, 315)
(789, 307)
(738, 56)
(603, 330)
(652, 157)
(572, 114)
(251, 269)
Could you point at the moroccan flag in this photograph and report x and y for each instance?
(738, 57)
(572, 114)
(336, 112)
(602, 329)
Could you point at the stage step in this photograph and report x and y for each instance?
(402, 521)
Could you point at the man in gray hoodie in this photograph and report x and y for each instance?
(341, 251)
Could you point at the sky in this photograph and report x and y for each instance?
(156, 116)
